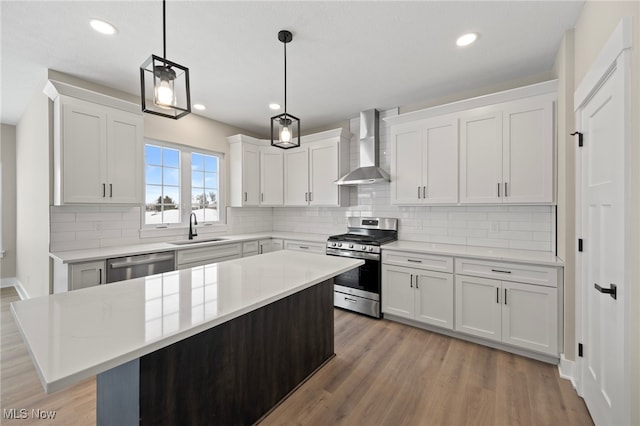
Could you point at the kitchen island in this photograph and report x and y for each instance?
(219, 343)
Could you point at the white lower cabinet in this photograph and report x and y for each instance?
(417, 294)
(201, 256)
(87, 274)
(250, 248)
(518, 314)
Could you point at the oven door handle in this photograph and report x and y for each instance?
(354, 254)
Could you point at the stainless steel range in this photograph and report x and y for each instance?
(360, 289)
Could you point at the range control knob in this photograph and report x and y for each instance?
(363, 248)
(350, 245)
(370, 248)
(339, 244)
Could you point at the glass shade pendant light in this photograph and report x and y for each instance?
(164, 84)
(285, 128)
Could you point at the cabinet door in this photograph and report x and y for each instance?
(265, 246)
(398, 291)
(434, 298)
(406, 165)
(440, 162)
(250, 175)
(528, 151)
(530, 317)
(84, 142)
(478, 307)
(124, 158)
(323, 171)
(87, 274)
(271, 177)
(296, 177)
(276, 244)
(481, 156)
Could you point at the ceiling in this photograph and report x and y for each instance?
(345, 57)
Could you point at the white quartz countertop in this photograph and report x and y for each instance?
(78, 334)
(87, 255)
(498, 254)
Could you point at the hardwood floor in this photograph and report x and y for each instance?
(384, 373)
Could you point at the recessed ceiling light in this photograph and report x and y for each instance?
(274, 106)
(466, 39)
(199, 107)
(103, 27)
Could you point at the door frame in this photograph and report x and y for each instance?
(615, 54)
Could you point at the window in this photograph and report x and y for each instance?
(180, 181)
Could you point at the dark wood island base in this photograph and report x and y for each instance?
(233, 373)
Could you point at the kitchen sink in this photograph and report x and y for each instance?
(195, 241)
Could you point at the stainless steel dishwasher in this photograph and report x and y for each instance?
(124, 268)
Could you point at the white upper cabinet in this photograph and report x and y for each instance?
(506, 152)
(424, 165)
(97, 148)
(256, 172)
(271, 176)
(311, 170)
(493, 149)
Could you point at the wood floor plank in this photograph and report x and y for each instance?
(384, 373)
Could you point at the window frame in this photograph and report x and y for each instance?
(185, 188)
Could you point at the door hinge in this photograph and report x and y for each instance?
(579, 244)
(580, 349)
(580, 140)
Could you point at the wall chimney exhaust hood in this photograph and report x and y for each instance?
(369, 144)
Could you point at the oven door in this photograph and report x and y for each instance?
(365, 279)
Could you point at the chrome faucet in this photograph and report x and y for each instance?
(192, 230)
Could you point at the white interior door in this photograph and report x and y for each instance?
(602, 183)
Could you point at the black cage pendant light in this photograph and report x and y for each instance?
(285, 128)
(164, 84)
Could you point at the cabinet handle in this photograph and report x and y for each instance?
(501, 271)
(497, 295)
(417, 281)
(414, 260)
(498, 189)
(505, 190)
(262, 196)
(260, 249)
(350, 300)
(245, 196)
(304, 247)
(505, 296)
(100, 276)
(310, 198)
(104, 190)
(424, 192)
(418, 193)
(306, 196)
(110, 190)
(411, 281)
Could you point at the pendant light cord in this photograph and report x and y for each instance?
(164, 30)
(285, 79)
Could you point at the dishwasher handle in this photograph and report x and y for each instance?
(146, 260)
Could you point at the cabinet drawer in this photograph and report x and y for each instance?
(518, 272)
(208, 253)
(318, 248)
(249, 248)
(418, 260)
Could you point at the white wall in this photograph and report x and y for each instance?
(33, 194)
(564, 71)
(8, 192)
(596, 23)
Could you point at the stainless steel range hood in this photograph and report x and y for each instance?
(369, 144)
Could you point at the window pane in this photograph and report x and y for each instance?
(211, 180)
(153, 214)
(153, 155)
(153, 175)
(171, 176)
(171, 198)
(153, 194)
(170, 157)
(197, 161)
(197, 179)
(210, 163)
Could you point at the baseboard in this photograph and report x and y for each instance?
(13, 282)
(567, 370)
